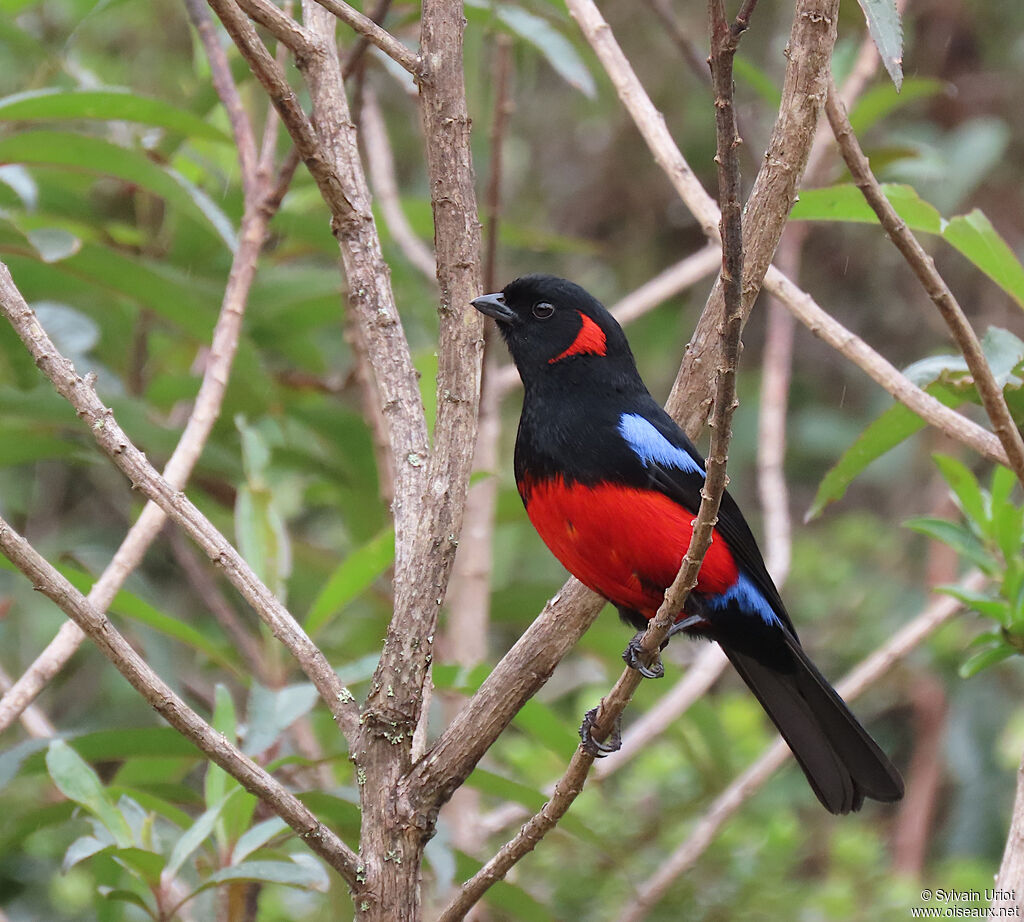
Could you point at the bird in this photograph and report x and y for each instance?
(612, 485)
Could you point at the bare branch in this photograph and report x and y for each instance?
(35, 722)
(278, 23)
(689, 400)
(1009, 895)
(923, 266)
(381, 166)
(374, 34)
(166, 703)
(723, 42)
(499, 122)
(863, 676)
(260, 207)
(132, 462)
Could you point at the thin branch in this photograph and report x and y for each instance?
(776, 366)
(35, 722)
(357, 52)
(374, 34)
(723, 42)
(166, 703)
(923, 266)
(689, 400)
(298, 39)
(381, 166)
(133, 463)
(1008, 900)
(499, 124)
(259, 209)
(863, 676)
(826, 327)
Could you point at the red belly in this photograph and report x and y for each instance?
(624, 543)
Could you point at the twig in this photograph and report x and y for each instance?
(381, 166)
(259, 209)
(741, 789)
(776, 366)
(286, 30)
(499, 122)
(923, 266)
(689, 400)
(132, 462)
(166, 703)
(35, 722)
(374, 34)
(831, 331)
(357, 52)
(1008, 900)
(609, 711)
(694, 59)
(213, 599)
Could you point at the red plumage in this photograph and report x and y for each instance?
(623, 542)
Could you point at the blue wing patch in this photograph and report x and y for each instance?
(748, 597)
(649, 445)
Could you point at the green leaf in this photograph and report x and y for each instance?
(1005, 352)
(958, 537)
(218, 781)
(271, 712)
(845, 202)
(557, 50)
(256, 837)
(127, 896)
(353, 576)
(76, 780)
(194, 836)
(302, 871)
(974, 236)
(53, 243)
(145, 864)
(759, 80)
(985, 658)
(82, 848)
(883, 99)
(106, 104)
(883, 18)
(966, 488)
(262, 537)
(986, 605)
(94, 155)
(894, 426)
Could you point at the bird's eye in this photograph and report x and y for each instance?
(543, 309)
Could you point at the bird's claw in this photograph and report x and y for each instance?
(635, 657)
(592, 746)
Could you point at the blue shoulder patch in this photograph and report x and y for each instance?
(650, 445)
(748, 597)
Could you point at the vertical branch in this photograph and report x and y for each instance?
(502, 110)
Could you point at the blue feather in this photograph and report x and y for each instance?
(649, 445)
(747, 596)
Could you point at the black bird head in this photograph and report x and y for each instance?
(550, 323)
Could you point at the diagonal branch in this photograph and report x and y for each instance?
(179, 715)
(261, 203)
(723, 46)
(143, 476)
(741, 789)
(923, 267)
(374, 34)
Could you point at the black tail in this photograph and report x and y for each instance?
(843, 764)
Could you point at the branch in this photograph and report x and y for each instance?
(261, 203)
(374, 34)
(805, 74)
(299, 40)
(132, 462)
(923, 266)
(381, 164)
(861, 677)
(165, 702)
(609, 712)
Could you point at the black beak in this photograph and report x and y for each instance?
(494, 306)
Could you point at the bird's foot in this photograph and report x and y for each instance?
(592, 746)
(636, 658)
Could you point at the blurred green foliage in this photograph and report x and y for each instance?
(119, 201)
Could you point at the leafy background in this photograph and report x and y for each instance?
(119, 199)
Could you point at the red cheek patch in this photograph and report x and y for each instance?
(589, 341)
